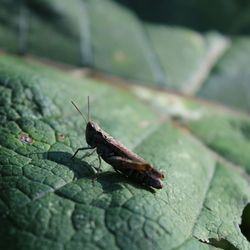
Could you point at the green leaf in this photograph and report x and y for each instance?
(155, 55)
(185, 56)
(224, 131)
(227, 134)
(223, 203)
(49, 201)
(167, 47)
(229, 80)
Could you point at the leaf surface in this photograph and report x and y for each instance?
(49, 201)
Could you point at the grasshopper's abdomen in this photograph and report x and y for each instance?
(143, 178)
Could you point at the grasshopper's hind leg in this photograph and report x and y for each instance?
(80, 149)
(98, 169)
(100, 163)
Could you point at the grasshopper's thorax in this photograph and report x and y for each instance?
(93, 134)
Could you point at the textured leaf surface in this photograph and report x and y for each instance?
(224, 131)
(226, 134)
(214, 126)
(49, 201)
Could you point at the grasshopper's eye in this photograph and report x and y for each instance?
(91, 126)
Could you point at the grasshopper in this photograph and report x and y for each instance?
(122, 159)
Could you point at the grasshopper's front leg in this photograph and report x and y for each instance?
(88, 154)
(79, 149)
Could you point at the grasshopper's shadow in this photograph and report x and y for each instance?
(110, 181)
(79, 167)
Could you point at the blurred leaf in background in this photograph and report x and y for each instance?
(187, 46)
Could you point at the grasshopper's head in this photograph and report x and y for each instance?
(92, 134)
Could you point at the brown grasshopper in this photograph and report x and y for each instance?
(118, 156)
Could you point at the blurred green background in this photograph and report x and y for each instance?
(194, 47)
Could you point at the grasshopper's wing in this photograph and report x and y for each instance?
(120, 150)
(117, 148)
(122, 162)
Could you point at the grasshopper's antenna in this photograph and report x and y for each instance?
(79, 112)
(88, 110)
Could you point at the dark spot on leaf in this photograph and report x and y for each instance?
(222, 243)
(245, 224)
(25, 138)
(60, 137)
